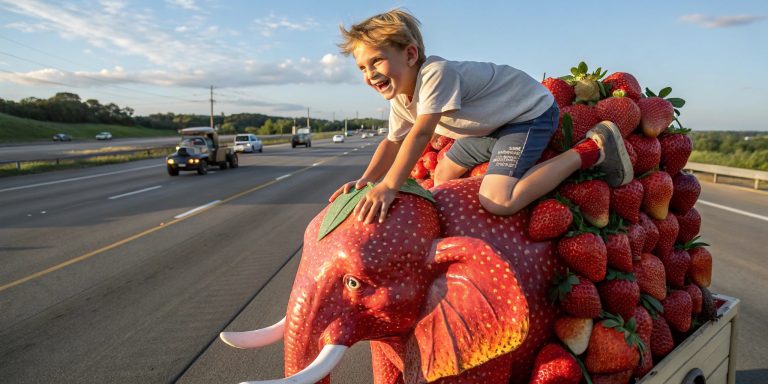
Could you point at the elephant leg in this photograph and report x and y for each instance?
(385, 371)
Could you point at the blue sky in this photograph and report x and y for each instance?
(279, 57)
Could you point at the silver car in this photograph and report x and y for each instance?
(248, 143)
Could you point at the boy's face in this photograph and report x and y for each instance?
(389, 71)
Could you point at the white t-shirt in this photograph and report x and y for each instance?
(474, 98)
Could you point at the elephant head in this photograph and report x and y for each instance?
(435, 307)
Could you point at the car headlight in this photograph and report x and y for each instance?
(170, 161)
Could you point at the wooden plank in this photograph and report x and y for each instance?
(720, 375)
(707, 358)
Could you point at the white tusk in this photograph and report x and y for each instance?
(255, 339)
(321, 367)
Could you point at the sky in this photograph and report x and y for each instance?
(279, 57)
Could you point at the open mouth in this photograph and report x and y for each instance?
(382, 85)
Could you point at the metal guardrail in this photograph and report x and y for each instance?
(58, 159)
(718, 170)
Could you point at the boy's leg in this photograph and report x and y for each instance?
(448, 170)
(465, 153)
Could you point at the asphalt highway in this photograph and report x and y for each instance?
(123, 274)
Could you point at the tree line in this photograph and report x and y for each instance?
(740, 149)
(65, 107)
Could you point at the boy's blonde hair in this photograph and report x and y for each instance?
(396, 28)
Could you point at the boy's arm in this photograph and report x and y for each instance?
(377, 201)
(380, 162)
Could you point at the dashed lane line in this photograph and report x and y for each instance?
(200, 208)
(78, 178)
(734, 210)
(135, 192)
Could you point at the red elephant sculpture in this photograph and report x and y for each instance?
(444, 291)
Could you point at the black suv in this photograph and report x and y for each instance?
(304, 139)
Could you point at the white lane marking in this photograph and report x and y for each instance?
(200, 208)
(734, 210)
(355, 149)
(346, 153)
(316, 164)
(135, 192)
(283, 177)
(78, 178)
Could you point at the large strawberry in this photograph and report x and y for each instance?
(644, 329)
(593, 198)
(651, 232)
(677, 310)
(549, 219)
(582, 119)
(668, 229)
(585, 253)
(619, 293)
(625, 82)
(650, 275)
(657, 192)
(636, 236)
(676, 147)
(554, 364)
(446, 148)
(627, 199)
(700, 272)
(690, 224)
(574, 332)
(479, 170)
(685, 192)
(696, 297)
(648, 152)
(655, 115)
(662, 342)
(419, 171)
(561, 90)
(617, 244)
(613, 346)
(631, 153)
(430, 160)
(621, 110)
(439, 142)
(676, 265)
(577, 296)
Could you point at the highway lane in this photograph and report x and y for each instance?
(142, 310)
(146, 311)
(53, 150)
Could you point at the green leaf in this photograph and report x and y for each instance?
(567, 131)
(649, 93)
(574, 71)
(583, 68)
(413, 187)
(340, 210)
(665, 92)
(676, 102)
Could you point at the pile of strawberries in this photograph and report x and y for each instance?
(637, 276)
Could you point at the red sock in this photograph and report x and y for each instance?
(588, 151)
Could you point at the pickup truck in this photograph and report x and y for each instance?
(200, 148)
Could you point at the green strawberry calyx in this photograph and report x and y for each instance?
(628, 329)
(651, 304)
(562, 285)
(692, 243)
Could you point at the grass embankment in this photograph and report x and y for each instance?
(739, 159)
(17, 129)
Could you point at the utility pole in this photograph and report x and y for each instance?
(211, 106)
(310, 129)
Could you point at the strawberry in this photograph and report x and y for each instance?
(625, 82)
(668, 229)
(651, 232)
(656, 114)
(561, 90)
(676, 147)
(648, 152)
(657, 192)
(700, 272)
(583, 118)
(685, 192)
(585, 253)
(621, 110)
(677, 310)
(479, 170)
(574, 332)
(419, 171)
(626, 200)
(549, 219)
(661, 338)
(554, 364)
(621, 377)
(676, 265)
(619, 293)
(613, 346)
(636, 236)
(427, 183)
(644, 330)
(644, 366)
(430, 160)
(441, 153)
(439, 142)
(650, 275)
(631, 153)
(696, 297)
(593, 198)
(619, 251)
(577, 295)
(689, 223)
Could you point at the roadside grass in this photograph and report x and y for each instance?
(11, 169)
(18, 129)
(757, 160)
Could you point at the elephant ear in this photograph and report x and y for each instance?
(474, 311)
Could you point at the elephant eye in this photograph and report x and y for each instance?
(352, 283)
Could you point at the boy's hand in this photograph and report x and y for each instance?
(375, 202)
(346, 187)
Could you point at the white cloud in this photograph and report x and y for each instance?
(27, 27)
(112, 6)
(185, 4)
(268, 25)
(720, 21)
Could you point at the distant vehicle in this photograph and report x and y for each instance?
(248, 143)
(349, 133)
(302, 137)
(62, 137)
(198, 149)
(365, 135)
(383, 131)
(338, 138)
(104, 136)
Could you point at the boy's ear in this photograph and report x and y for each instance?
(412, 54)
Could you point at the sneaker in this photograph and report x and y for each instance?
(616, 163)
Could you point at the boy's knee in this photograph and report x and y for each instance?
(496, 196)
